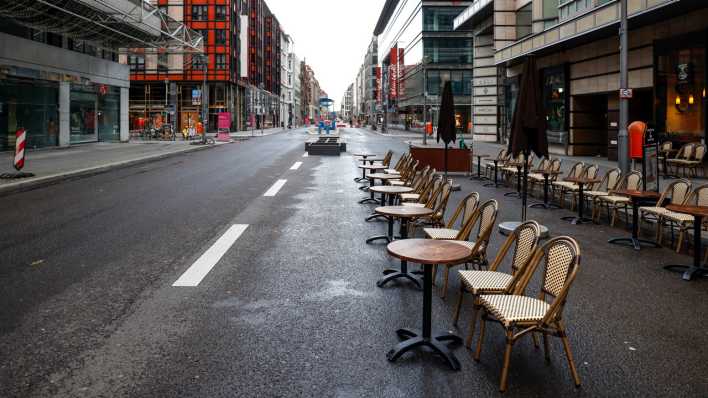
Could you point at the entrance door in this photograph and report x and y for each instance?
(83, 117)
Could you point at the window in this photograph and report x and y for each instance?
(136, 63)
(523, 21)
(200, 13)
(162, 62)
(205, 35)
(554, 92)
(440, 19)
(220, 36)
(76, 45)
(448, 50)
(220, 12)
(198, 63)
(220, 60)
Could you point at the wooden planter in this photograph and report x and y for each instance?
(458, 160)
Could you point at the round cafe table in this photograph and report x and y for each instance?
(698, 213)
(390, 191)
(427, 252)
(373, 167)
(479, 167)
(405, 214)
(377, 176)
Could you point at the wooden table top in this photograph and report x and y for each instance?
(637, 194)
(582, 180)
(404, 211)
(382, 176)
(373, 166)
(429, 251)
(700, 211)
(390, 189)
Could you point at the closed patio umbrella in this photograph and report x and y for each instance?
(528, 126)
(446, 121)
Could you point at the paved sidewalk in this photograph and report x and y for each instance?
(52, 165)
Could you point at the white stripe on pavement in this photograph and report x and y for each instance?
(194, 274)
(275, 188)
(296, 166)
(304, 155)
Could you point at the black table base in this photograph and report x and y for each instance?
(494, 184)
(479, 175)
(575, 220)
(414, 339)
(696, 270)
(546, 203)
(388, 237)
(688, 272)
(636, 243)
(392, 274)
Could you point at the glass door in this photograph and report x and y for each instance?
(83, 117)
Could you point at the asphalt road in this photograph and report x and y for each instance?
(88, 306)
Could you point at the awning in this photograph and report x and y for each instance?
(110, 24)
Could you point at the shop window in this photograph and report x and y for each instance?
(523, 21)
(220, 37)
(448, 50)
(162, 62)
(554, 99)
(440, 19)
(200, 13)
(220, 12)
(136, 63)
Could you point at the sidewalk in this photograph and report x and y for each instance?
(52, 165)
(258, 133)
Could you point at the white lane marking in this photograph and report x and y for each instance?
(296, 166)
(275, 188)
(194, 274)
(304, 155)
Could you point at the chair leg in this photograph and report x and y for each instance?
(614, 215)
(680, 240)
(546, 348)
(446, 275)
(569, 355)
(659, 230)
(482, 327)
(459, 305)
(507, 360)
(435, 273)
(473, 323)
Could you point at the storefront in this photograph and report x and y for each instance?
(31, 105)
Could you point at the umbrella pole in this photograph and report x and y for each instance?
(446, 160)
(524, 186)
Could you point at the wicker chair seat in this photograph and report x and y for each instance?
(595, 194)
(566, 185)
(410, 196)
(414, 204)
(509, 309)
(510, 169)
(466, 243)
(479, 282)
(654, 210)
(397, 183)
(615, 199)
(391, 171)
(678, 217)
(441, 233)
(536, 176)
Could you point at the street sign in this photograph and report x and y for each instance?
(626, 93)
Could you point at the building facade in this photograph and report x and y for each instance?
(64, 86)
(286, 80)
(418, 51)
(311, 94)
(576, 47)
(297, 90)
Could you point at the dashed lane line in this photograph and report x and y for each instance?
(204, 264)
(296, 166)
(273, 190)
(304, 155)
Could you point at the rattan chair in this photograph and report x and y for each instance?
(425, 183)
(685, 153)
(439, 206)
(463, 213)
(684, 222)
(407, 174)
(675, 193)
(537, 179)
(562, 187)
(590, 172)
(502, 157)
(691, 166)
(431, 196)
(484, 218)
(524, 239)
(609, 182)
(520, 315)
(613, 203)
(664, 151)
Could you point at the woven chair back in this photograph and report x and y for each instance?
(666, 146)
(677, 192)
(699, 196)
(387, 158)
(613, 178)
(576, 170)
(465, 209)
(525, 237)
(699, 153)
(633, 180)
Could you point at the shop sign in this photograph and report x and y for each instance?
(196, 97)
(224, 121)
(626, 93)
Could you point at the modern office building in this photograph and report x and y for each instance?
(60, 78)
(345, 109)
(418, 50)
(577, 49)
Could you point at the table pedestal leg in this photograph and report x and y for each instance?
(363, 176)
(392, 274)
(413, 338)
(634, 241)
(696, 270)
(371, 198)
(388, 238)
(579, 219)
(546, 205)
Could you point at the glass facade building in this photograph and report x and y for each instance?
(418, 52)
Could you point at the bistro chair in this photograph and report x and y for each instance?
(562, 187)
(613, 203)
(484, 218)
(520, 315)
(609, 182)
(426, 182)
(675, 193)
(691, 166)
(525, 240)
(664, 150)
(590, 172)
(400, 164)
(535, 179)
(463, 213)
(386, 161)
(412, 178)
(430, 197)
(502, 157)
(699, 197)
(439, 207)
(684, 154)
(543, 164)
(407, 174)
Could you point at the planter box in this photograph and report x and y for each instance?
(458, 160)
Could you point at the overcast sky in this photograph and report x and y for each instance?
(332, 35)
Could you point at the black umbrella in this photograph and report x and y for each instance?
(528, 126)
(446, 121)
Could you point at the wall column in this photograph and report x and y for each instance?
(64, 113)
(124, 120)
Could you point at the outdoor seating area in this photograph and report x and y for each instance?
(524, 285)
